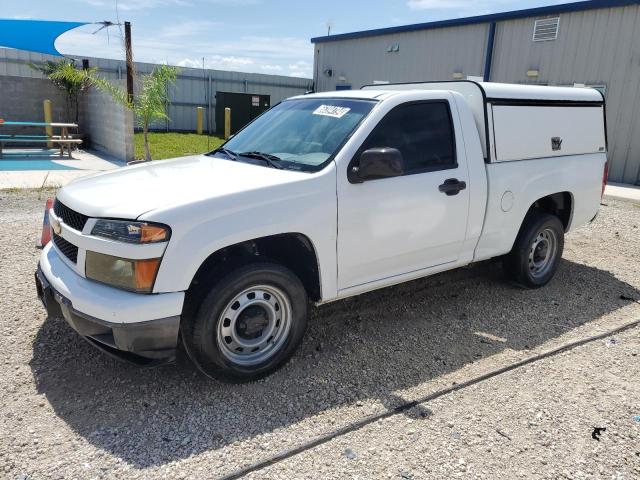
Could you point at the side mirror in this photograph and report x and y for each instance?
(377, 163)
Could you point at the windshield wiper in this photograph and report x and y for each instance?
(229, 153)
(269, 159)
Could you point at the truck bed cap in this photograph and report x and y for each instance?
(538, 92)
(502, 91)
(488, 99)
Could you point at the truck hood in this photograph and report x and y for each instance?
(129, 192)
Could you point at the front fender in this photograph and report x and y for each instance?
(203, 228)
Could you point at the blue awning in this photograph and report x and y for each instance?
(34, 35)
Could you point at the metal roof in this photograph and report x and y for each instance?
(494, 17)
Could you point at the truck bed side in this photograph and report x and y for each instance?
(515, 186)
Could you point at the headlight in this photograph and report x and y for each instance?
(131, 232)
(135, 275)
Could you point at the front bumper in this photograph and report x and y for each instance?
(145, 342)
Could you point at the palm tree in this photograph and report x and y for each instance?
(148, 105)
(68, 78)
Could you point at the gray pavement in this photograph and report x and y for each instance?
(83, 162)
(621, 191)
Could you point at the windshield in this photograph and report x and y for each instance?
(298, 134)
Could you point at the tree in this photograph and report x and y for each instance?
(148, 105)
(68, 78)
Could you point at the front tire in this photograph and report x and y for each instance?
(536, 253)
(249, 324)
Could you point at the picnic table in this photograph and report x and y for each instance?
(64, 140)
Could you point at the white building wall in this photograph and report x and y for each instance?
(423, 55)
(599, 47)
(594, 47)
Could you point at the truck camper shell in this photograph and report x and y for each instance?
(519, 122)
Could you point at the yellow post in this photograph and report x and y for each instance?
(227, 123)
(200, 112)
(47, 119)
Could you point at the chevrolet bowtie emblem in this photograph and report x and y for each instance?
(55, 226)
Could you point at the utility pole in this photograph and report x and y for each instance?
(129, 56)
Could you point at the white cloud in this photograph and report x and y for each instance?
(300, 74)
(440, 9)
(188, 28)
(95, 3)
(301, 69)
(271, 68)
(234, 3)
(189, 63)
(285, 56)
(217, 62)
(131, 5)
(439, 4)
(231, 62)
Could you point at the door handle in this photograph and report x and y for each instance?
(452, 186)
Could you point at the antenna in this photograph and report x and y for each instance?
(329, 24)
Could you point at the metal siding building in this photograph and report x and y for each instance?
(194, 87)
(597, 44)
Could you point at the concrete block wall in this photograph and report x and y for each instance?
(108, 124)
(21, 100)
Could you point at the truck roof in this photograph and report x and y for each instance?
(367, 94)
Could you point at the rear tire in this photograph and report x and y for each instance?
(249, 323)
(536, 253)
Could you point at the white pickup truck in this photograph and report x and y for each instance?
(322, 197)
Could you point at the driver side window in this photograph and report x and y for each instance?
(422, 131)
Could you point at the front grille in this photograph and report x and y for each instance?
(68, 249)
(70, 217)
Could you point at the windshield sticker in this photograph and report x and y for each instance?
(331, 111)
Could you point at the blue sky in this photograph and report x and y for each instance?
(264, 36)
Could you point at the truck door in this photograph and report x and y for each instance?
(397, 225)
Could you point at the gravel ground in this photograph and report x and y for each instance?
(534, 422)
(68, 411)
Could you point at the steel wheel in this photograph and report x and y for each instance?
(542, 252)
(534, 257)
(254, 325)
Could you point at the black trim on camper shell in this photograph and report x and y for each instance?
(521, 102)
